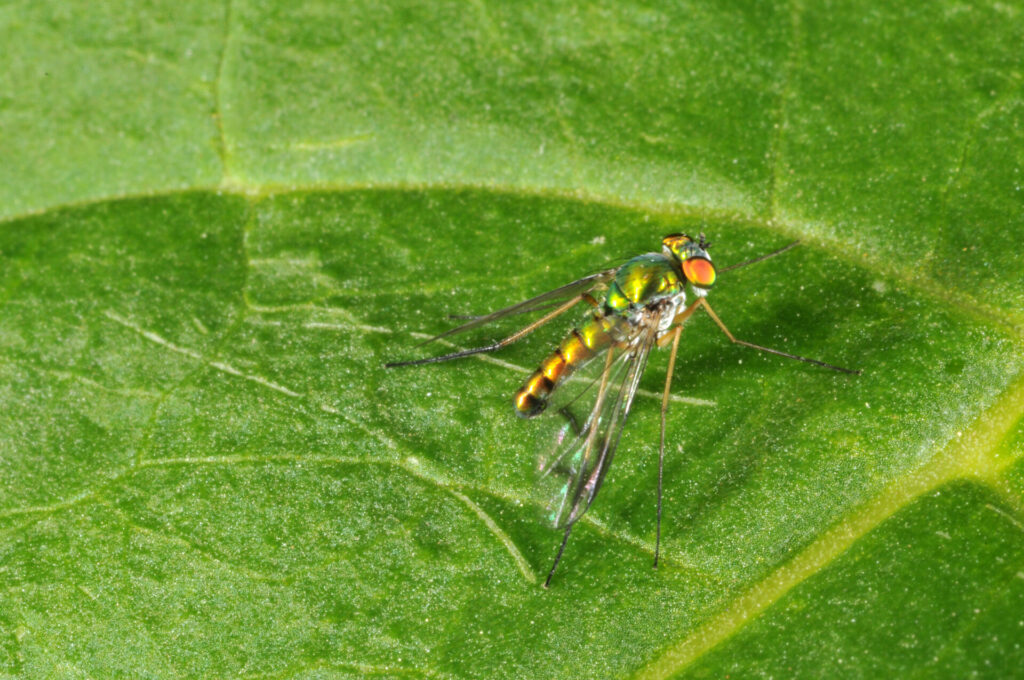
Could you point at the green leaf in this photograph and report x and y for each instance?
(217, 225)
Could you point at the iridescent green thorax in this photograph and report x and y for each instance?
(642, 280)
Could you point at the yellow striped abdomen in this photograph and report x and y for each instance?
(574, 351)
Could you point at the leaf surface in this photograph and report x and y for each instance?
(219, 223)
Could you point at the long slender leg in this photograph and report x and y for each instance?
(498, 345)
(601, 392)
(474, 317)
(678, 320)
(711, 312)
(561, 549)
(661, 450)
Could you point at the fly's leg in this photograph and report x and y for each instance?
(558, 557)
(678, 320)
(672, 337)
(474, 317)
(664, 409)
(518, 335)
(587, 297)
(732, 338)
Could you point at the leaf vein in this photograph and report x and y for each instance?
(184, 351)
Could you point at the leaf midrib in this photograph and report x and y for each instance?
(965, 303)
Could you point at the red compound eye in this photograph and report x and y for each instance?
(699, 272)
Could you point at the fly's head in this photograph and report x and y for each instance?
(694, 261)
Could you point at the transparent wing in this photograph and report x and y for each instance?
(542, 301)
(572, 473)
(561, 462)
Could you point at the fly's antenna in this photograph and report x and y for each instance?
(794, 244)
